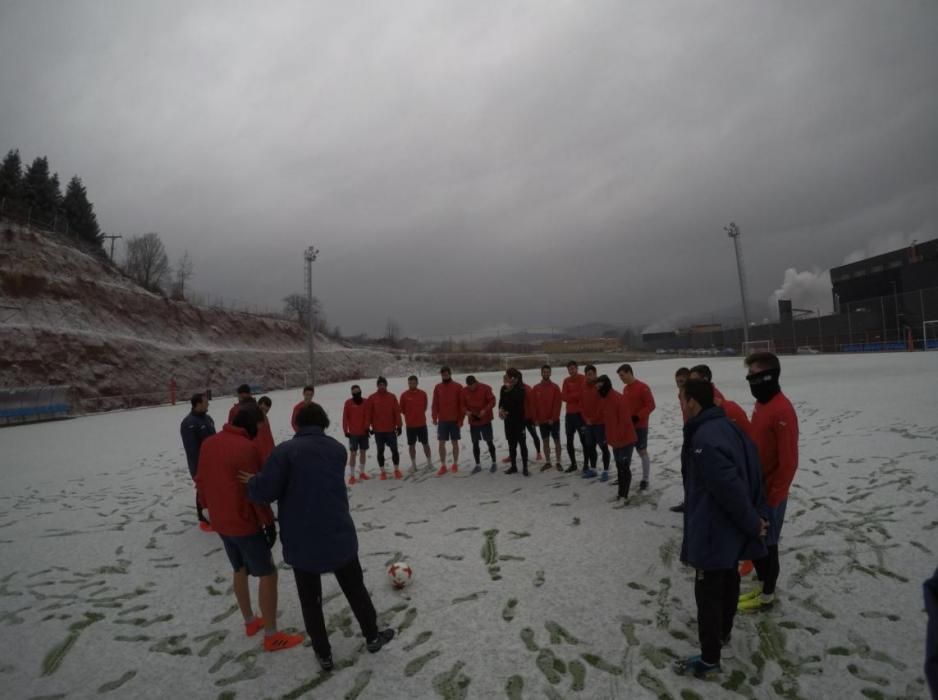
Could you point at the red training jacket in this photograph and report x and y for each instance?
(356, 417)
(617, 419)
(296, 410)
(736, 415)
(414, 407)
(717, 394)
(775, 432)
(447, 403)
(265, 440)
(589, 405)
(572, 392)
(385, 412)
(641, 401)
(547, 400)
(530, 408)
(221, 458)
(480, 400)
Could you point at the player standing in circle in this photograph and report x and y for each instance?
(572, 394)
(529, 411)
(265, 435)
(355, 422)
(414, 405)
(733, 410)
(547, 402)
(478, 404)
(620, 433)
(775, 432)
(244, 398)
(511, 409)
(594, 430)
(195, 428)
(680, 379)
(246, 529)
(447, 413)
(308, 392)
(385, 414)
(642, 403)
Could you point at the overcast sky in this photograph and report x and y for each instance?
(467, 164)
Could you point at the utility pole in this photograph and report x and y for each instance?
(112, 237)
(310, 257)
(733, 232)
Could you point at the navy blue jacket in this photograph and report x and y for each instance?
(931, 635)
(306, 476)
(723, 495)
(194, 429)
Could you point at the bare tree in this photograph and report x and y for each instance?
(296, 307)
(145, 261)
(183, 275)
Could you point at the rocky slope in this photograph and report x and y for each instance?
(70, 318)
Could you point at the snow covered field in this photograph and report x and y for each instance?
(108, 588)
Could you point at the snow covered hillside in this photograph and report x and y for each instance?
(66, 317)
(539, 587)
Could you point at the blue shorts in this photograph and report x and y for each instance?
(573, 422)
(642, 435)
(447, 430)
(598, 434)
(776, 518)
(415, 435)
(250, 552)
(549, 430)
(383, 440)
(358, 442)
(481, 432)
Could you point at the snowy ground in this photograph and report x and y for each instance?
(107, 587)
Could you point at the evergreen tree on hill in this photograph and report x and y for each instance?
(41, 191)
(82, 221)
(11, 176)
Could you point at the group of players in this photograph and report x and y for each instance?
(604, 420)
(736, 479)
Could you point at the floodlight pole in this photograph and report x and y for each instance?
(310, 257)
(733, 232)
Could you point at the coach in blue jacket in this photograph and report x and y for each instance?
(306, 476)
(195, 428)
(723, 523)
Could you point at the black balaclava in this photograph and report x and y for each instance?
(764, 385)
(357, 396)
(603, 385)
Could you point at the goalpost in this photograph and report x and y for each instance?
(930, 335)
(752, 346)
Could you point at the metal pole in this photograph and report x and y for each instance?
(733, 232)
(820, 336)
(849, 326)
(921, 306)
(310, 257)
(882, 313)
(895, 296)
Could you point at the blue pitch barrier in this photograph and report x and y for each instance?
(36, 403)
(892, 346)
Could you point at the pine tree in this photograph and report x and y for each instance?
(11, 176)
(41, 191)
(79, 213)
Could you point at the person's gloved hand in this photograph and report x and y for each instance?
(636, 420)
(348, 435)
(371, 432)
(270, 532)
(399, 430)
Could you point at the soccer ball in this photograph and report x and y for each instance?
(400, 574)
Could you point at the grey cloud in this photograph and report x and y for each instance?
(462, 165)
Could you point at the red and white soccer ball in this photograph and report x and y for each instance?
(400, 574)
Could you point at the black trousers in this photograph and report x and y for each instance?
(767, 569)
(623, 457)
(395, 454)
(352, 582)
(532, 429)
(516, 439)
(717, 594)
(477, 453)
(573, 423)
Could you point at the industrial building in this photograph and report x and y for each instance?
(886, 302)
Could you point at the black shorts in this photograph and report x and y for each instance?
(415, 435)
(250, 552)
(549, 430)
(383, 440)
(481, 432)
(357, 442)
